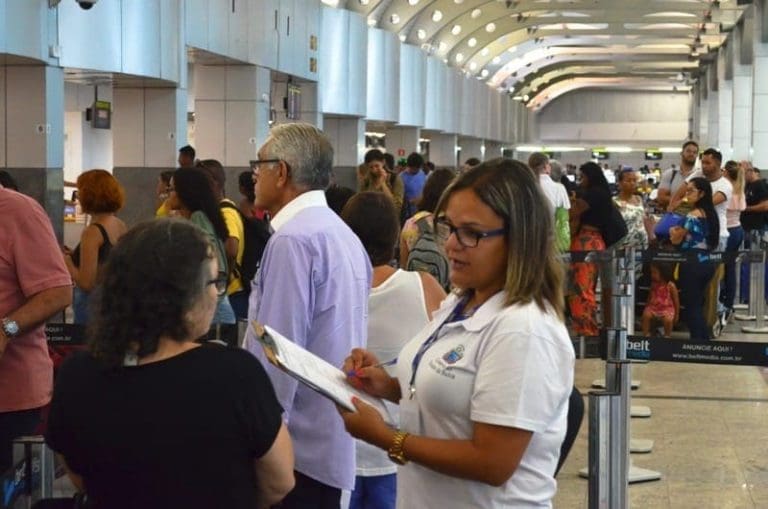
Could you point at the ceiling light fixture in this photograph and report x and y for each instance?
(459, 57)
(456, 30)
(476, 13)
(490, 28)
(437, 16)
(472, 42)
(394, 19)
(421, 34)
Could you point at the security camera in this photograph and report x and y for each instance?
(86, 4)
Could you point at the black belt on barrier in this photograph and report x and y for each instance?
(660, 255)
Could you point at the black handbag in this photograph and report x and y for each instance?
(615, 228)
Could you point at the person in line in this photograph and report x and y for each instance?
(377, 177)
(698, 234)
(632, 210)
(410, 296)
(673, 178)
(34, 285)
(663, 301)
(556, 195)
(234, 245)
(312, 287)
(162, 191)
(483, 389)
(7, 181)
(147, 417)
(192, 196)
(186, 157)
(734, 173)
(590, 207)
(754, 219)
(245, 186)
(436, 183)
(413, 182)
(101, 196)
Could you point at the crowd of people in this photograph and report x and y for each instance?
(436, 291)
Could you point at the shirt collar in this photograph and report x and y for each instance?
(480, 318)
(293, 207)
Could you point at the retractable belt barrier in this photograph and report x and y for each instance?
(660, 255)
(73, 335)
(737, 353)
(31, 477)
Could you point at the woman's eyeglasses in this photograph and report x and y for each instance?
(220, 283)
(467, 237)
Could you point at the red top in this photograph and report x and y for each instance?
(30, 262)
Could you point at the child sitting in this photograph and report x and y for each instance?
(663, 302)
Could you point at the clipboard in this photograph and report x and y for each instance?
(312, 371)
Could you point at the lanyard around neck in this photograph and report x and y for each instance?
(456, 315)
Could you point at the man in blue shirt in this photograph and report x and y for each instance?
(413, 181)
(312, 287)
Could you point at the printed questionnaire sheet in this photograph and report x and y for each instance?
(313, 371)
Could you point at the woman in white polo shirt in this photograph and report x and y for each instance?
(483, 388)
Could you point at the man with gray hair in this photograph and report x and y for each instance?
(312, 287)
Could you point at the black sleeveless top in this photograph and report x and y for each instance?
(104, 249)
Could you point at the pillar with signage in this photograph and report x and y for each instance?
(347, 136)
(401, 141)
(742, 87)
(32, 134)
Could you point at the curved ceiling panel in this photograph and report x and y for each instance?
(514, 45)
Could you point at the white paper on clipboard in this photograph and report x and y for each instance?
(312, 371)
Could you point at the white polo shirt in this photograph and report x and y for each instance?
(507, 366)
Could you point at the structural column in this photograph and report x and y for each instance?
(348, 139)
(702, 105)
(231, 116)
(442, 150)
(725, 97)
(760, 87)
(713, 118)
(32, 134)
(471, 147)
(492, 150)
(401, 141)
(742, 88)
(149, 126)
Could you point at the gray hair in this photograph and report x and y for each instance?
(556, 171)
(307, 152)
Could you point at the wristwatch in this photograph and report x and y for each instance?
(395, 451)
(10, 327)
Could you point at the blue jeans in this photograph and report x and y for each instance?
(239, 302)
(223, 313)
(694, 278)
(728, 294)
(374, 492)
(80, 305)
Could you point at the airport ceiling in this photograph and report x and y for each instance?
(539, 49)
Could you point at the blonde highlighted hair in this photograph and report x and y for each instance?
(511, 190)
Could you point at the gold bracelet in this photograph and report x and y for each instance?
(395, 451)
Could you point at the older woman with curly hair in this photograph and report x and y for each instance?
(149, 417)
(101, 196)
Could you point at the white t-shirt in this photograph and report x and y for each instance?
(721, 185)
(397, 311)
(555, 192)
(508, 366)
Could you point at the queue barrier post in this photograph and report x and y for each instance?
(34, 472)
(757, 290)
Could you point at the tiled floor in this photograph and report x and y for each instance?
(710, 427)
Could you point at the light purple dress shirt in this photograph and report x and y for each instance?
(312, 287)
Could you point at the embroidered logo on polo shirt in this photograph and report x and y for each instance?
(454, 355)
